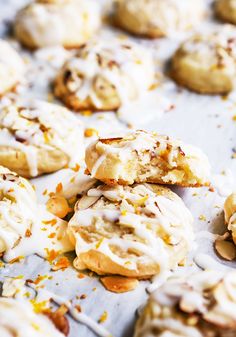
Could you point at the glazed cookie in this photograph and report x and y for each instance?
(17, 208)
(18, 319)
(25, 224)
(71, 22)
(226, 10)
(39, 137)
(11, 67)
(157, 18)
(206, 64)
(105, 75)
(136, 231)
(147, 157)
(197, 305)
(230, 214)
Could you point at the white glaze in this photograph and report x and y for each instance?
(189, 294)
(141, 142)
(18, 319)
(169, 217)
(41, 125)
(25, 226)
(71, 23)
(127, 66)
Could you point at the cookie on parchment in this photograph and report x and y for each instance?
(69, 23)
(134, 231)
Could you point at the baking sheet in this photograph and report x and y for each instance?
(200, 120)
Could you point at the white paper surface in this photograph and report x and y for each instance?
(200, 120)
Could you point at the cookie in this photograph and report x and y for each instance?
(137, 231)
(18, 319)
(17, 207)
(226, 10)
(200, 305)
(147, 157)
(72, 23)
(38, 137)
(206, 63)
(157, 18)
(104, 75)
(230, 214)
(11, 67)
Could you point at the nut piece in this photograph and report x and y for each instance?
(225, 249)
(60, 321)
(119, 284)
(58, 206)
(230, 206)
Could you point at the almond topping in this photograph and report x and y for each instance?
(225, 249)
(59, 320)
(118, 284)
(58, 206)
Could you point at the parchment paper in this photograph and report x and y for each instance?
(200, 120)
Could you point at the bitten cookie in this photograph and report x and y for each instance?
(105, 75)
(198, 305)
(39, 137)
(147, 157)
(70, 23)
(18, 319)
(157, 18)
(136, 231)
(226, 10)
(11, 67)
(230, 214)
(206, 63)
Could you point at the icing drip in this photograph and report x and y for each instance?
(176, 154)
(26, 227)
(208, 296)
(144, 222)
(128, 67)
(40, 125)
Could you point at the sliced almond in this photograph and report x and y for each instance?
(78, 264)
(225, 249)
(60, 321)
(230, 206)
(86, 202)
(58, 206)
(118, 284)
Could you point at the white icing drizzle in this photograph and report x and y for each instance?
(158, 225)
(71, 22)
(207, 262)
(140, 142)
(82, 318)
(126, 65)
(18, 319)
(209, 294)
(40, 125)
(26, 227)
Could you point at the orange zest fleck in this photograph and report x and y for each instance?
(62, 263)
(76, 168)
(59, 188)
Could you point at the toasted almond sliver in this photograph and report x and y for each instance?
(118, 284)
(86, 202)
(60, 321)
(225, 249)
